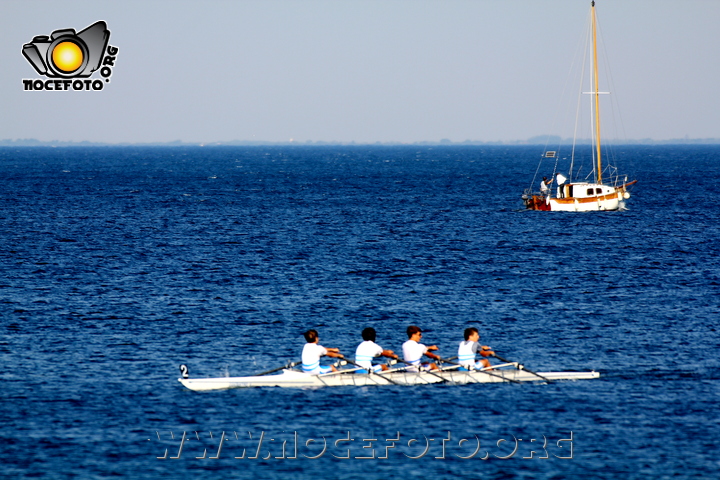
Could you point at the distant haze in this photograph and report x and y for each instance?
(365, 71)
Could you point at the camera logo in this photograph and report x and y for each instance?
(69, 56)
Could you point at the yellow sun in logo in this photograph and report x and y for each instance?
(67, 56)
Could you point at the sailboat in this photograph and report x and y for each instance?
(594, 192)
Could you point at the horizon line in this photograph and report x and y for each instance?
(546, 140)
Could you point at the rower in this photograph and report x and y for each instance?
(368, 350)
(469, 348)
(312, 351)
(413, 351)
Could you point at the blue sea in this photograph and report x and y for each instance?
(118, 264)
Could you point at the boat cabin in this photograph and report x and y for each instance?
(583, 190)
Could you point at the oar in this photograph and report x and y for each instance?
(425, 371)
(520, 367)
(289, 365)
(447, 360)
(370, 370)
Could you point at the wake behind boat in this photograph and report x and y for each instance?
(599, 190)
(503, 373)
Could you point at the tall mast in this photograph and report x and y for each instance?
(596, 91)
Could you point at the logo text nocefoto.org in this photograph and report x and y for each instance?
(67, 58)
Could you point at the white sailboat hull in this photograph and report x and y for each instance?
(609, 202)
(295, 379)
(603, 198)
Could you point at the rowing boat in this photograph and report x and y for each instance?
(346, 378)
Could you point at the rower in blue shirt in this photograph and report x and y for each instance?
(468, 349)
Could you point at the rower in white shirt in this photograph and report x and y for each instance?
(468, 349)
(312, 351)
(413, 351)
(368, 350)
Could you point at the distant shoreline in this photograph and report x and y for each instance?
(541, 141)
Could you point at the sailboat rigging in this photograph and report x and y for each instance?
(582, 196)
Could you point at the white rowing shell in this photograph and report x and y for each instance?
(295, 379)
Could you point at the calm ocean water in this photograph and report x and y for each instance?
(119, 264)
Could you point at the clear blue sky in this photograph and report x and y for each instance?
(361, 70)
